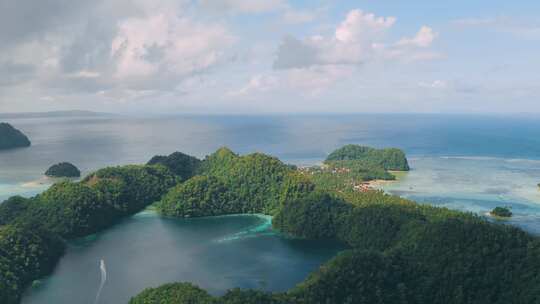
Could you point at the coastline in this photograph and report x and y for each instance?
(378, 184)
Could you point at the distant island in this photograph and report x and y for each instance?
(389, 159)
(398, 251)
(63, 169)
(12, 138)
(501, 212)
(73, 113)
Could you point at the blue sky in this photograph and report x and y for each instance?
(270, 56)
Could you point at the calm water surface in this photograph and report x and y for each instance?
(147, 250)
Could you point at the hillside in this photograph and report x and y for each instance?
(400, 251)
(33, 230)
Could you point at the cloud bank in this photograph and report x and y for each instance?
(256, 56)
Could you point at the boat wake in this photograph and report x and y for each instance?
(103, 280)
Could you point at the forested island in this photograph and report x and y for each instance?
(389, 159)
(501, 212)
(399, 251)
(12, 138)
(63, 169)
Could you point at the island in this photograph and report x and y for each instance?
(12, 138)
(388, 158)
(398, 251)
(63, 169)
(501, 212)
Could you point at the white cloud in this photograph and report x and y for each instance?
(314, 81)
(112, 51)
(424, 38)
(243, 6)
(256, 84)
(162, 55)
(358, 39)
(360, 26)
(85, 74)
(305, 82)
(168, 44)
(436, 84)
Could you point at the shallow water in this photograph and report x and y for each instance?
(475, 184)
(146, 250)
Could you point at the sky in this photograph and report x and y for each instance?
(270, 56)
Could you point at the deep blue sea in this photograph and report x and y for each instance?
(466, 162)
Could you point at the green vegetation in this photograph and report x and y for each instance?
(354, 277)
(69, 210)
(183, 165)
(12, 208)
(32, 230)
(360, 169)
(63, 169)
(129, 189)
(389, 159)
(77, 209)
(174, 293)
(199, 196)
(186, 293)
(345, 175)
(311, 217)
(229, 183)
(11, 137)
(400, 251)
(26, 253)
(501, 212)
(348, 167)
(438, 255)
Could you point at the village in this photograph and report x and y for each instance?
(360, 186)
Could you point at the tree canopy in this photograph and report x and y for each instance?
(63, 169)
(388, 159)
(229, 183)
(183, 165)
(501, 212)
